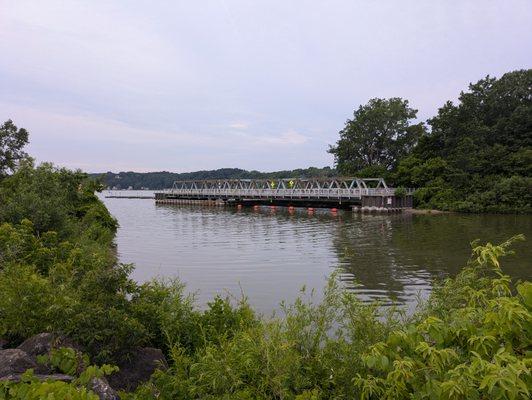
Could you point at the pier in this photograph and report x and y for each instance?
(359, 194)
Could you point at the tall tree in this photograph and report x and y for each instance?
(489, 131)
(377, 137)
(478, 155)
(12, 141)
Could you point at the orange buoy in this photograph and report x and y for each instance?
(310, 209)
(334, 210)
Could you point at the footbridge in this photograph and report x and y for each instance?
(341, 192)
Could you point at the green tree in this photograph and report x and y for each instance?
(378, 136)
(12, 141)
(478, 155)
(489, 131)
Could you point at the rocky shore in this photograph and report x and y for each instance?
(15, 361)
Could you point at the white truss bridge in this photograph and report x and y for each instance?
(335, 189)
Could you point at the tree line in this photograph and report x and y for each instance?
(165, 179)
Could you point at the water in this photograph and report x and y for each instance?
(270, 255)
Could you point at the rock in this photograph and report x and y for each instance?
(44, 342)
(3, 343)
(141, 365)
(51, 377)
(101, 388)
(15, 361)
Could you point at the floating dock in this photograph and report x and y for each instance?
(358, 194)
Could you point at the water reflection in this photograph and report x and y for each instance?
(366, 254)
(396, 257)
(271, 253)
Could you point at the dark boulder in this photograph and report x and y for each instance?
(44, 342)
(101, 388)
(140, 366)
(3, 343)
(15, 361)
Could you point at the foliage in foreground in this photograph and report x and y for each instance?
(471, 340)
(32, 388)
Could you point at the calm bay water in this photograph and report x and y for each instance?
(270, 255)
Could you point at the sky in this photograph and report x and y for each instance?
(152, 85)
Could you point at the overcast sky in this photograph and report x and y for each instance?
(187, 85)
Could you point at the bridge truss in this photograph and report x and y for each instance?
(339, 189)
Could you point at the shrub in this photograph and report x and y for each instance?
(400, 192)
(31, 388)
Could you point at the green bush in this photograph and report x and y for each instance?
(32, 388)
(66, 281)
(400, 192)
(29, 303)
(65, 360)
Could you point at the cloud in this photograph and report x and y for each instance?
(239, 125)
(287, 138)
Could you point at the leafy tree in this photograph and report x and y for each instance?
(478, 155)
(12, 141)
(377, 137)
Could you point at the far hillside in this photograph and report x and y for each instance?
(164, 179)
